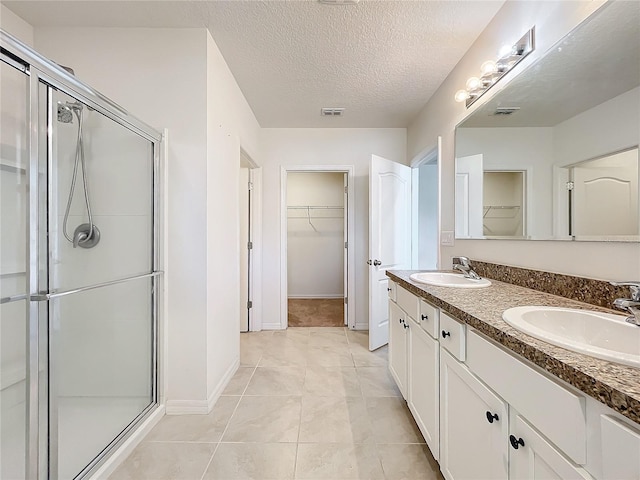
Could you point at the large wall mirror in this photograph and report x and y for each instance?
(554, 155)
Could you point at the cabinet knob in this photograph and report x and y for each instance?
(516, 442)
(406, 325)
(389, 289)
(491, 417)
(445, 334)
(377, 263)
(424, 317)
(400, 320)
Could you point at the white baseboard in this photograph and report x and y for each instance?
(271, 326)
(361, 326)
(203, 407)
(110, 465)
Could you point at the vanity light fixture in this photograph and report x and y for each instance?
(492, 71)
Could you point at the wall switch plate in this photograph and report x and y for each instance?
(446, 238)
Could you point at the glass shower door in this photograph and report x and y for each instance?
(101, 313)
(14, 215)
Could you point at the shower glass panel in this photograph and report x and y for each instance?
(101, 361)
(118, 174)
(14, 168)
(101, 333)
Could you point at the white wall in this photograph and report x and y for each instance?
(230, 125)
(609, 127)
(149, 72)
(318, 146)
(16, 26)
(441, 114)
(315, 257)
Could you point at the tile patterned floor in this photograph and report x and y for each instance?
(306, 403)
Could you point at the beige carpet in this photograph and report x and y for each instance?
(316, 312)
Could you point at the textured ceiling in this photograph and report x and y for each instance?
(380, 60)
(598, 61)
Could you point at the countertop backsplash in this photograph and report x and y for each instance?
(595, 292)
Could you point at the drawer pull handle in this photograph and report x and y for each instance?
(516, 442)
(424, 317)
(491, 417)
(445, 334)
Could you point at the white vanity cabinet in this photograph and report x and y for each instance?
(413, 361)
(398, 347)
(533, 457)
(473, 425)
(424, 377)
(475, 401)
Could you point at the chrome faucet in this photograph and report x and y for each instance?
(462, 265)
(631, 305)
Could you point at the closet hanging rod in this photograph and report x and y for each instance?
(313, 207)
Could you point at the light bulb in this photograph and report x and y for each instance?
(505, 50)
(461, 95)
(488, 67)
(473, 83)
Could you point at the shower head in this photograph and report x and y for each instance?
(65, 111)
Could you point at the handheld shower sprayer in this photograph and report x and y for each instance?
(85, 235)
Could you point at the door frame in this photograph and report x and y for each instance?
(349, 261)
(426, 156)
(255, 233)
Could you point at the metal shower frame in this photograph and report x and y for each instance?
(42, 71)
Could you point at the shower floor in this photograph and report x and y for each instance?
(86, 424)
(316, 312)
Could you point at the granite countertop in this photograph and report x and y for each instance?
(615, 385)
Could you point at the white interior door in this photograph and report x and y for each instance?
(244, 250)
(345, 227)
(469, 196)
(606, 195)
(389, 238)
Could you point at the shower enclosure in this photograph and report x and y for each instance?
(80, 273)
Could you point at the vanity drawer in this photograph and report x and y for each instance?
(392, 287)
(429, 318)
(452, 336)
(557, 412)
(408, 302)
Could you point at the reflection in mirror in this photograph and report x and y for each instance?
(554, 155)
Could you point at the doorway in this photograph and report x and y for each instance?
(316, 228)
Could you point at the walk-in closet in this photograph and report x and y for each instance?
(316, 249)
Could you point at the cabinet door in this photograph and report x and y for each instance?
(474, 435)
(398, 347)
(535, 458)
(424, 388)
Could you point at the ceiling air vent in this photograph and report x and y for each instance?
(332, 112)
(505, 111)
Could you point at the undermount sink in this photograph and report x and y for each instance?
(601, 335)
(441, 279)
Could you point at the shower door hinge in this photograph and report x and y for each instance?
(249, 245)
(250, 186)
(346, 244)
(249, 304)
(346, 300)
(346, 189)
(570, 186)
